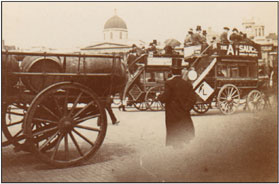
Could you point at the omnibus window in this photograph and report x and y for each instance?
(159, 77)
(233, 70)
(253, 70)
(222, 71)
(243, 71)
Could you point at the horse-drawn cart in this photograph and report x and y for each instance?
(147, 81)
(53, 103)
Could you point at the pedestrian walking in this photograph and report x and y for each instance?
(179, 98)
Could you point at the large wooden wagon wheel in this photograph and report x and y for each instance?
(255, 101)
(12, 126)
(151, 98)
(228, 99)
(201, 108)
(12, 116)
(74, 121)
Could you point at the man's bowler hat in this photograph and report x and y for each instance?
(198, 28)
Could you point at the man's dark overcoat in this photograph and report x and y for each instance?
(179, 98)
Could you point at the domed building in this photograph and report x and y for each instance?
(115, 36)
(115, 29)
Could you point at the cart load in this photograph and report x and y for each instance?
(80, 66)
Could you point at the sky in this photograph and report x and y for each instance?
(79, 24)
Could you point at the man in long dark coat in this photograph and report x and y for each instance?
(179, 98)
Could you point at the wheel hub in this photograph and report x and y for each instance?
(66, 124)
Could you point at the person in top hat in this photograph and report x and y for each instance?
(179, 98)
(235, 37)
(152, 47)
(197, 38)
(189, 38)
(204, 40)
(224, 35)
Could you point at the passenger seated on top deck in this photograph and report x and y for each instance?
(204, 41)
(152, 47)
(235, 37)
(224, 35)
(168, 50)
(188, 41)
(197, 44)
(197, 38)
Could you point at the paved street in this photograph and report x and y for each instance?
(236, 148)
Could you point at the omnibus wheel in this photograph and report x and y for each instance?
(151, 98)
(228, 99)
(201, 108)
(255, 101)
(74, 123)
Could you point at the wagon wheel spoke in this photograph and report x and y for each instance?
(15, 123)
(44, 130)
(66, 147)
(88, 128)
(82, 136)
(45, 120)
(56, 146)
(17, 137)
(50, 112)
(15, 113)
(87, 118)
(83, 109)
(48, 141)
(75, 103)
(76, 144)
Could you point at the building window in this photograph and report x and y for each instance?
(111, 35)
(104, 36)
(120, 35)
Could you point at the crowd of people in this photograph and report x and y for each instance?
(200, 37)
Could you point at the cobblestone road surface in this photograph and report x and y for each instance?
(236, 148)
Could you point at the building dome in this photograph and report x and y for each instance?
(115, 22)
